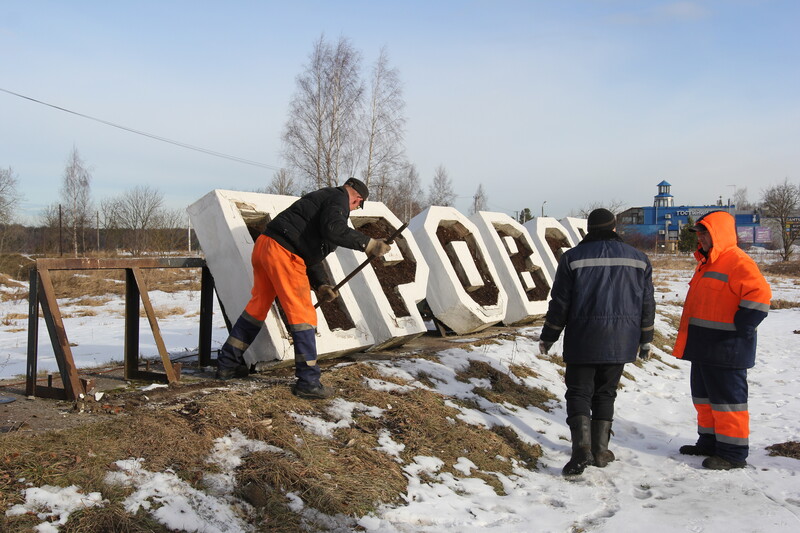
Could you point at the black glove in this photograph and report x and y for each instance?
(325, 294)
(544, 347)
(377, 248)
(644, 351)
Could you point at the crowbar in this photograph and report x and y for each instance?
(360, 267)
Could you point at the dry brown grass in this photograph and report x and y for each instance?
(504, 389)
(783, 304)
(786, 449)
(343, 474)
(673, 262)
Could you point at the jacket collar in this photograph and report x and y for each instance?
(602, 235)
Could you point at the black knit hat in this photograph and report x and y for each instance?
(359, 187)
(601, 220)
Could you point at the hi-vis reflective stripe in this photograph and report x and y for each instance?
(247, 316)
(553, 326)
(716, 275)
(300, 327)
(236, 343)
(736, 441)
(729, 407)
(608, 261)
(711, 324)
(757, 306)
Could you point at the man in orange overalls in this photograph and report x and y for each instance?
(727, 300)
(287, 264)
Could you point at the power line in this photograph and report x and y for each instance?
(145, 134)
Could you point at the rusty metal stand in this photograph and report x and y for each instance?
(42, 294)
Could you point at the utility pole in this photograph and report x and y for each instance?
(60, 240)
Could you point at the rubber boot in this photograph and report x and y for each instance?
(601, 433)
(230, 361)
(580, 429)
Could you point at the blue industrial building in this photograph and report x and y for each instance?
(665, 220)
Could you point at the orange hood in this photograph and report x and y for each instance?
(722, 228)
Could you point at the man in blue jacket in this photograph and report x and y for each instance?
(603, 297)
(287, 264)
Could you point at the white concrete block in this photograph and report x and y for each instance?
(510, 244)
(388, 291)
(527, 280)
(577, 228)
(447, 298)
(551, 240)
(523, 273)
(466, 269)
(219, 222)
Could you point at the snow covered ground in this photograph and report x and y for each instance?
(650, 486)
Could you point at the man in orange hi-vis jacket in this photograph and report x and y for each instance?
(727, 299)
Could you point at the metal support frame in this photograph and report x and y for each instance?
(42, 294)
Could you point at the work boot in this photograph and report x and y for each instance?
(312, 392)
(239, 371)
(601, 433)
(694, 449)
(581, 446)
(716, 462)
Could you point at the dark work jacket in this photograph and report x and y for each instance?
(314, 226)
(603, 297)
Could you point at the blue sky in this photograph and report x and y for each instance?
(565, 102)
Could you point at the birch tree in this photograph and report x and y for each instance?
(8, 201)
(321, 136)
(441, 189)
(282, 183)
(384, 123)
(406, 198)
(76, 197)
(479, 200)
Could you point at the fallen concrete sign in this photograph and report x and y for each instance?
(227, 224)
(551, 239)
(577, 228)
(519, 265)
(390, 288)
(454, 250)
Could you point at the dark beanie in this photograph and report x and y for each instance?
(359, 187)
(601, 220)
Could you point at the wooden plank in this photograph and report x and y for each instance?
(87, 263)
(206, 313)
(151, 317)
(33, 334)
(131, 349)
(58, 337)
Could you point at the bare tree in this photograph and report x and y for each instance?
(385, 122)
(8, 194)
(406, 198)
(479, 200)
(282, 183)
(740, 200)
(76, 197)
(8, 201)
(49, 218)
(321, 135)
(780, 202)
(138, 212)
(615, 206)
(441, 189)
